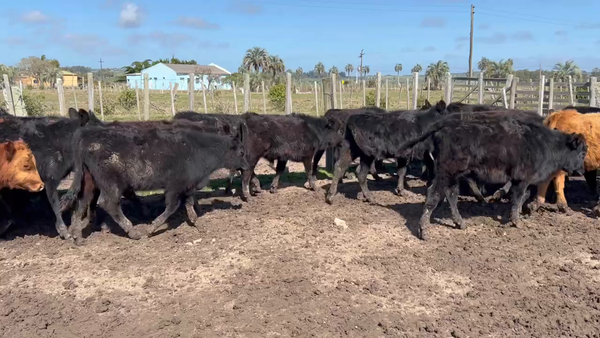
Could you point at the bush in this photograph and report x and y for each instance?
(371, 100)
(33, 104)
(277, 97)
(127, 99)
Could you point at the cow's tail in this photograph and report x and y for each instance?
(406, 146)
(69, 198)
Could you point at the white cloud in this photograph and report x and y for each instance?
(35, 17)
(131, 16)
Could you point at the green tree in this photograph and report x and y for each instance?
(299, 72)
(595, 72)
(398, 69)
(276, 65)
(366, 70)
(320, 69)
(436, 72)
(564, 70)
(416, 69)
(137, 66)
(8, 70)
(500, 69)
(334, 70)
(349, 69)
(50, 75)
(484, 64)
(256, 59)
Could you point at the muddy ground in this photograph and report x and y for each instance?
(279, 266)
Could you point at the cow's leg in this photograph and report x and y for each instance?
(112, 198)
(373, 170)
(130, 195)
(519, 196)
(84, 205)
(401, 163)
(310, 177)
(190, 203)
(435, 193)
(365, 162)
(52, 194)
(452, 197)
(315, 163)
(5, 223)
(559, 186)
(228, 188)
(429, 167)
(540, 198)
(590, 178)
(172, 201)
(255, 184)
(278, 171)
(246, 177)
(475, 190)
(341, 165)
(497, 196)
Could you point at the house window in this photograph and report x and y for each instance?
(197, 80)
(155, 79)
(181, 78)
(163, 77)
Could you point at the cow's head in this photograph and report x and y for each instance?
(577, 147)
(18, 169)
(84, 117)
(426, 106)
(239, 146)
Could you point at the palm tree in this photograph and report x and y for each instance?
(349, 69)
(500, 69)
(569, 68)
(256, 59)
(8, 70)
(484, 65)
(366, 70)
(50, 75)
(398, 69)
(334, 70)
(276, 65)
(299, 72)
(436, 72)
(416, 69)
(137, 66)
(320, 68)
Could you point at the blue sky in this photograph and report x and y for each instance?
(303, 32)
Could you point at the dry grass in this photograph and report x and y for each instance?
(219, 101)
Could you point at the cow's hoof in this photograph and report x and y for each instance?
(79, 241)
(515, 224)
(135, 234)
(273, 190)
(534, 206)
(461, 225)
(401, 192)
(423, 235)
(329, 199)
(564, 208)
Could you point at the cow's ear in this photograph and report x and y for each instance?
(440, 107)
(73, 114)
(9, 151)
(427, 104)
(83, 116)
(576, 141)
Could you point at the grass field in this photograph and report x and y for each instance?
(219, 101)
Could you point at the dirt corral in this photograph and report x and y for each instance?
(279, 266)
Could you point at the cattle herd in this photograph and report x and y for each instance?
(477, 145)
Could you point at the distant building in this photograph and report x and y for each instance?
(165, 75)
(69, 80)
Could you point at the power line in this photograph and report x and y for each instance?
(523, 19)
(377, 4)
(521, 14)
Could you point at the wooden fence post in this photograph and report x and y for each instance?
(408, 94)
(90, 82)
(378, 91)
(234, 97)
(551, 94)
(61, 96)
(11, 104)
(541, 88)
(387, 94)
(288, 93)
(317, 98)
(333, 91)
(481, 87)
(415, 89)
(246, 92)
(448, 94)
(146, 97)
(262, 84)
(74, 97)
(204, 96)
(191, 78)
(100, 96)
(428, 88)
(593, 84)
(137, 99)
(513, 92)
(571, 96)
(364, 83)
(507, 85)
(341, 95)
(174, 89)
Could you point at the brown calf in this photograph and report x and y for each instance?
(571, 121)
(18, 168)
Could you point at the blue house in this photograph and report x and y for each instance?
(162, 76)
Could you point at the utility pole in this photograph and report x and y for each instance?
(540, 70)
(101, 74)
(361, 63)
(471, 47)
